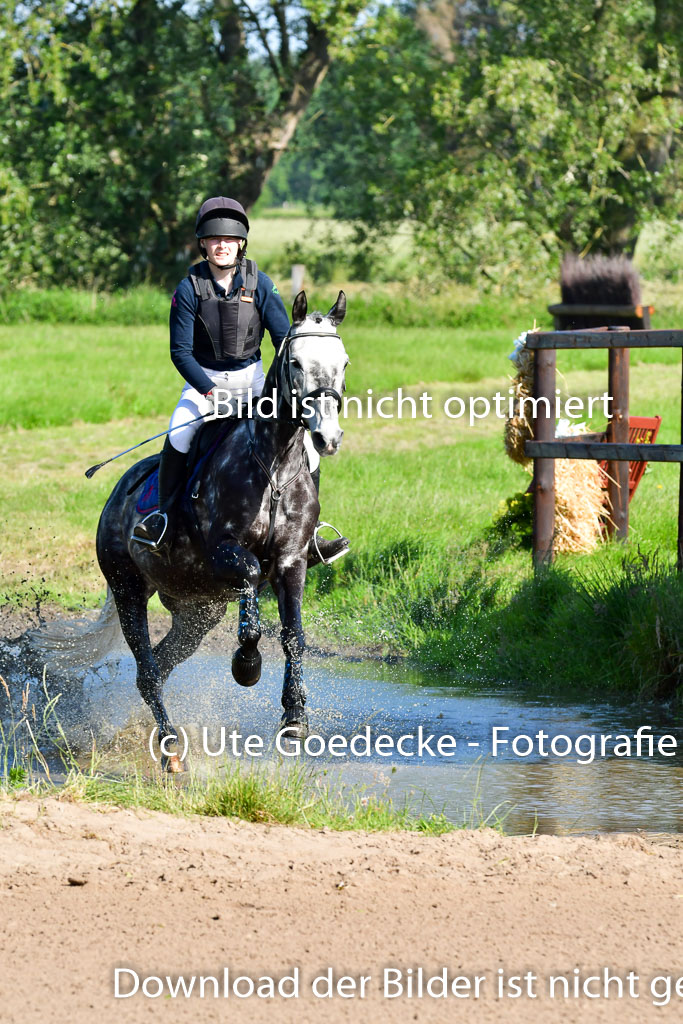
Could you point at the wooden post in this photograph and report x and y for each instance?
(617, 433)
(544, 469)
(679, 562)
(298, 274)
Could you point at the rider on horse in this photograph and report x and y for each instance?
(219, 313)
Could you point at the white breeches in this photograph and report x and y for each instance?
(238, 382)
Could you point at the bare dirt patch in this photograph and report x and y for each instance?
(86, 889)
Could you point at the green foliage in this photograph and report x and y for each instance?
(536, 129)
(660, 251)
(134, 307)
(16, 776)
(513, 525)
(626, 612)
(380, 89)
(504, 134)
(638, 606)
(118, 118)
(376, 307)
(567, 117)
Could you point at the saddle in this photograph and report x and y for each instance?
(206, 441)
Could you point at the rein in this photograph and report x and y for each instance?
(276, 490)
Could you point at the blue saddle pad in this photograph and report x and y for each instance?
(149, 499)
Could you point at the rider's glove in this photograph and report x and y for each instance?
(220, 402)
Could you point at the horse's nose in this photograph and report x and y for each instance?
(327, 445)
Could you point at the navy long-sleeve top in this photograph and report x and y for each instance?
(189, 357)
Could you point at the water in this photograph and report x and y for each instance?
(552, 794)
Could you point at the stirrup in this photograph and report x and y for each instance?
(152, 542)
(338, 554)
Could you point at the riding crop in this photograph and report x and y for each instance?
(93, 469)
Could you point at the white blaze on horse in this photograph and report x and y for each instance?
(250, 521)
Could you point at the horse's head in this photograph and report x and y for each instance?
(316, 361)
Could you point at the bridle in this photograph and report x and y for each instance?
(284, 369)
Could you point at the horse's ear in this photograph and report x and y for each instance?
(300, 308)
(338, 311)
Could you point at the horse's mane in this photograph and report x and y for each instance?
(599, 280)
(271, 377)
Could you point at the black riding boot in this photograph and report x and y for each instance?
(320, 549)
(156, 529)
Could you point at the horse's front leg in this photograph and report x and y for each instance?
(242, 571)
(289, 584)
(246, 661)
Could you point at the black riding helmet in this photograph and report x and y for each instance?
(222, 216)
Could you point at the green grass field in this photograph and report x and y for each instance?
(416, 496)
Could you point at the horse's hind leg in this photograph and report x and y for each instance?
(131, 604)
(190, 625)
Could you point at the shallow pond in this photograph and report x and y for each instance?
(457, 771)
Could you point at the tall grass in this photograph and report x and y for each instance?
(26, 731)
(612, 626)
(266, 795)
(263, 795)
(138, 307)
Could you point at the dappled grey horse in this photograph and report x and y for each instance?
(251, 519)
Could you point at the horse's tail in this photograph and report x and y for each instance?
(599, 280)
(77, 643)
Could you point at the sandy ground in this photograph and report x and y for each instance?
(85, 890)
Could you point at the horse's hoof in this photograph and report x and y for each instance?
(246, 667)
(294, 724)
(173, 765)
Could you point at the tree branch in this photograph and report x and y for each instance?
(252, 17)
(664, 94)
(279, 11)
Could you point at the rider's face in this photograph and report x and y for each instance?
(222, 250)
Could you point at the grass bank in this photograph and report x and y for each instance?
(295, 797)
(426, 577)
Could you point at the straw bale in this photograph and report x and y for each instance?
(579, 505)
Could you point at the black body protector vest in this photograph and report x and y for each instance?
(232, 324)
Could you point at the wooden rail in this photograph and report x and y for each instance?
(604, 450)
(604, 337)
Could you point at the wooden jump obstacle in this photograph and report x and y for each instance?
(575, 316)
(544, 449)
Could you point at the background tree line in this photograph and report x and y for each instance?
(504, 133)
(119, 117)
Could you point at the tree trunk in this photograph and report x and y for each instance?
(267, 139)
